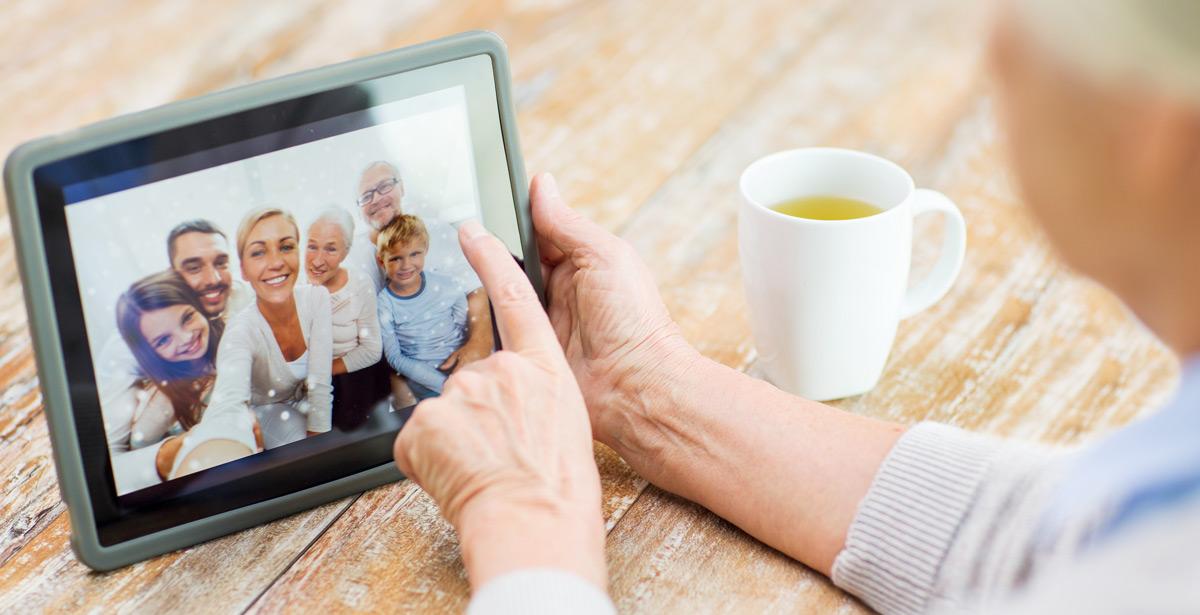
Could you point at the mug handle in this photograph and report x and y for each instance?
(954, 247)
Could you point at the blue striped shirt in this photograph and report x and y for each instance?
(421, 330)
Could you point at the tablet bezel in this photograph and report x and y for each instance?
(76, 488)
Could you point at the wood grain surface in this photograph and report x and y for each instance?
(646, 112)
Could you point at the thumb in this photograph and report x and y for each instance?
(562, 227)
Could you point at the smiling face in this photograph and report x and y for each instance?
(202, 260)
(176, 333)
(270, 259)
(324, 251)
(382, 208)
(403, 263)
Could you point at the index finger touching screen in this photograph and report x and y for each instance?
(522, 322)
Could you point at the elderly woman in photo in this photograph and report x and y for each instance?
(359, 380)
(356, 341)
(275, 359)
(174, 343)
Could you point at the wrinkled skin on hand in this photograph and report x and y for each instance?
(606, 311)
(506, 450)
(511, 424)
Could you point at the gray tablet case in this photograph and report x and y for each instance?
(18, 181)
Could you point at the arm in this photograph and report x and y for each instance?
(480, 342)
(135, 469)
(811, 481)
(479, 323)
(689, 424)
(935, 516)
(425, 375)
(235, 362)
(133, 460)
(370, 346)
(228, 415)
(697, 427)
(417, 371)
(953, 521)
(320, 362)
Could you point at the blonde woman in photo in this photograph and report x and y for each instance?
(275, 360)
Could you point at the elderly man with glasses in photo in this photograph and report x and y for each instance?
(380, 192)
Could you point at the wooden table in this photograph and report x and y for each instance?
(646, 112)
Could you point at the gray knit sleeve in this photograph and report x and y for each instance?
(950, 521)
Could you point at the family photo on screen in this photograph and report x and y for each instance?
(295, 320)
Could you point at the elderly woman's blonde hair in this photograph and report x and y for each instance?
(1123, 42)
(250, 220)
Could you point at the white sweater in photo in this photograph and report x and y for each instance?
(137, 416)
(355, 323)
(251, 369)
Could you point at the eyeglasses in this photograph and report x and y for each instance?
(384, 187)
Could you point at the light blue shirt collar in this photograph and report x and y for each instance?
(1149, 464)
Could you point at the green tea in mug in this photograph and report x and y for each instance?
(826, 208)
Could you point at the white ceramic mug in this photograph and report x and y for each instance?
(826, 296)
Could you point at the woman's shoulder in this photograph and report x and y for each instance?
(241, 298)
(240, 320)
(242, 328)
(246, 316)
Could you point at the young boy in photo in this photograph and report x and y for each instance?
(422, 314)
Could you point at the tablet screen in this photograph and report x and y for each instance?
(277, 288)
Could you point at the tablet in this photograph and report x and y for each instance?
(237, 300)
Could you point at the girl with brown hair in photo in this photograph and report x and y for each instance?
(165, 327)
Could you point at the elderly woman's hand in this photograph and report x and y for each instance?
(619, 339)
(689, 424)
(506, 450)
